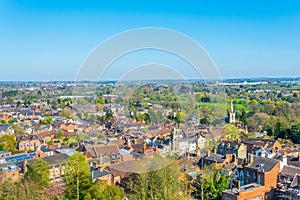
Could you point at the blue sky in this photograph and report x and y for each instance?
(49, 39)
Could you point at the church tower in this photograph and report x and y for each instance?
(175, 140)
(231, 113)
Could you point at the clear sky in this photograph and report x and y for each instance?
(49, 39)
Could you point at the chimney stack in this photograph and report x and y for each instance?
(251, 158)
(208, 153)
(25, 166)
(145, 146)
(238, 185)
(198, 153)
(234, 159)
(228, 157)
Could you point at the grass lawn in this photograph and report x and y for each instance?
(223, 105)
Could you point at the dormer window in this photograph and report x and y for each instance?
(260, 165)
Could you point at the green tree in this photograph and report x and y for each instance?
(55, 104)
(103, 191)
(295, 133)
(158, 182)
(80, 136)
(38, 171)
(210, 184)
(109, 114)
(100, 100)
(204, 120)
(59, 134)
(67, 113)
(180, 117)
(17, 128)
(48, 120)
(19, 104)
(231, 132)
(78, 179)
(8, 143)
(25, 189)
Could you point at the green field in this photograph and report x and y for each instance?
(223, 105)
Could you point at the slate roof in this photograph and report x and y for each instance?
(294, 161)
(20, 157)
(27, 137)
(267, 164)
(67, 151)
(3, 128)
(54, 159)
(97, 173)
(229, 144)
(8, 166)
(124, 152)
(215, 157)
(259, 142)
(46, 150)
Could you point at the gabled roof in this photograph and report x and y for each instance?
(106, 150)
(123, 169)
(287, 170)
(296, 181)
(262, 163)
(20, 138)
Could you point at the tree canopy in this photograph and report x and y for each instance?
(77, 176)
(8, 143)
(38, 172)
(210, 184)
(104, 191)
(163, 183)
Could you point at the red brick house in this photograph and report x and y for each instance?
(260, 180)
(254, 143)
(30, 142)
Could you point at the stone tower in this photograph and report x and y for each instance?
(231, 113)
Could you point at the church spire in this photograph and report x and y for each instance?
(231, 113)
